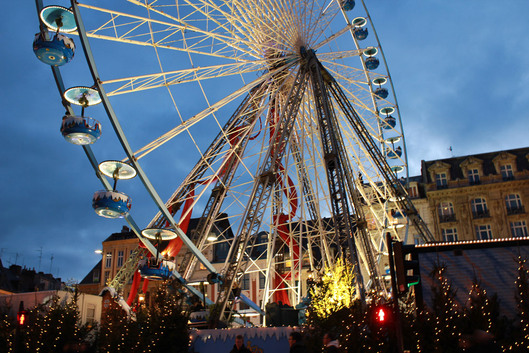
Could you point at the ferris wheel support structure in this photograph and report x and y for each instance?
(262, 189)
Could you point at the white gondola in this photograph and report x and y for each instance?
(80, 130)
(111, 204)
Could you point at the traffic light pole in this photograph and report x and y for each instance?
(396, 309)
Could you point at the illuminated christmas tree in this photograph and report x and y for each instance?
(158, 327)
(440, 328)
(521, 329)
(54, 327)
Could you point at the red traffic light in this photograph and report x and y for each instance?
(22, 318)
(382, 315)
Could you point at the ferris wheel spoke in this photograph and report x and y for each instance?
(319, 23)
(333, 37)
(221, 18)
(178, 35)
(206, 162)
(198, 117)
(164, 79)
(268, 22)
(335, 55)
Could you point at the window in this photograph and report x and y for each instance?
(473, 176)
(483, 232)
(506, 172)
(90, 313)
(96, 275)
(262, 280)
(245, 282)
(220, 251)
(108, 260)
(441, 181)
(446, 212)
(413, 191)
(107, 276)
(518, 229)
(449, 234)
(120, 258)
(513, 202)
(479, 208)
(243, 306)
(260, 245)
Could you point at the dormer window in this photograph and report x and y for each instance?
(441, 180)
(439, 173)
(413, 190)
(473, 176)
(472, 167)
(506, 172)
(505, 165)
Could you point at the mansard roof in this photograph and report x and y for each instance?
(456, 172)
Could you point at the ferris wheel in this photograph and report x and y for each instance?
(274, 122)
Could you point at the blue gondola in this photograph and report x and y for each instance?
(394, 154)
(111, 204)
(381, 93)
(348, 5)
(80, 130)
(156, 273)
(372, 63)
(389, 122)
(57, 51)
(360, 33)
(398, 214)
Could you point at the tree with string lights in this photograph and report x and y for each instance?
(439, 329)
(53, 327)
(159, 327)
(482, 312)
(119, 332)
(7, 329)
(335, 308)
(520, 334)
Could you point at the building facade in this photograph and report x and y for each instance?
(475, 197)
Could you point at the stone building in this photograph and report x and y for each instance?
(475, 197)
